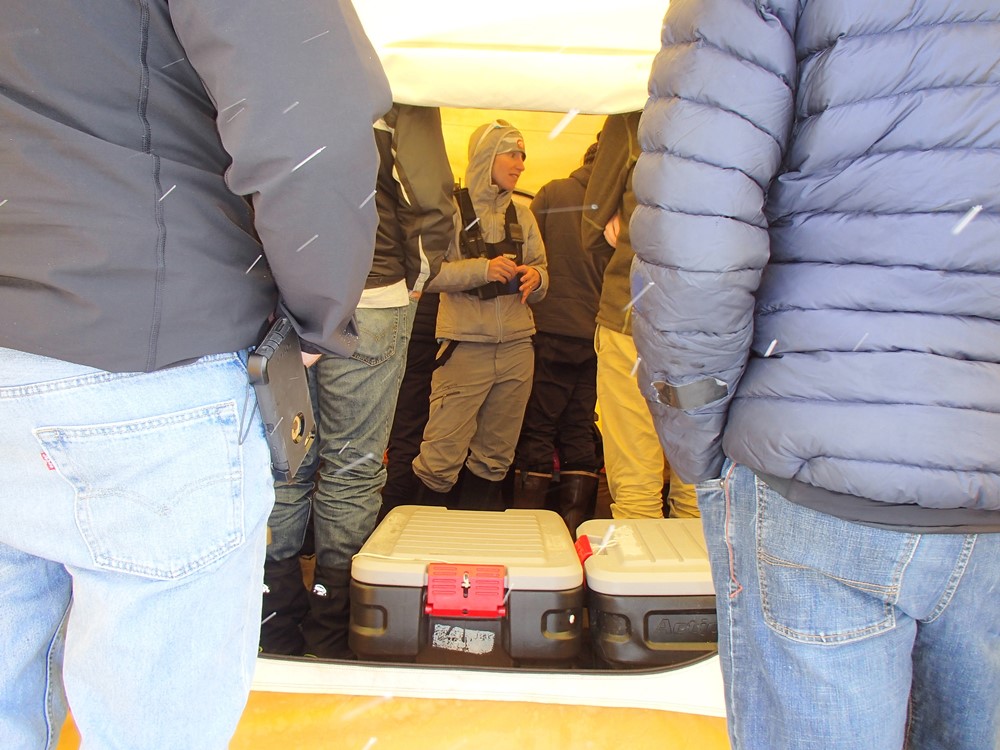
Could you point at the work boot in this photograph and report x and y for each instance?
(480, 494)
(325, 628)
(426, 496)
(530, 489)
(577, 497)
(284, 605)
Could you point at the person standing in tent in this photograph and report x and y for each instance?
(633, 456)
(410, 417)
(171, 175)
(482, 383)
(560, 413)
(819, 231)
(355, 396)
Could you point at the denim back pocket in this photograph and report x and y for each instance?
(379, 333)
(823, 580)
(159, 497)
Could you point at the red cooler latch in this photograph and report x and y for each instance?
(465, 590)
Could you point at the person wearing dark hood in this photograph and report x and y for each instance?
(560, 413)
(480, 389)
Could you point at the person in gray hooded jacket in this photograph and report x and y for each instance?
(480, 390)
(818, 232)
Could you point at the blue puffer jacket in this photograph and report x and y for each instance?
(820, 222)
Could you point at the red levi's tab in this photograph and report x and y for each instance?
(465, 590)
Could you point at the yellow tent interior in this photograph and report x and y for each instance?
(553, 68)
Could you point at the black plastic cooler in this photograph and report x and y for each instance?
(441, 586)
(650, 597)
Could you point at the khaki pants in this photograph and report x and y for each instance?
(633, 457)
(477, 406)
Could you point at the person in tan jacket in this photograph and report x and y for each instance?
(481, 386)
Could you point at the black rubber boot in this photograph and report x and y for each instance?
(426, 496)
(480, 494)
(284, 605)
(577, 497)
(530, 489)
(325, 628)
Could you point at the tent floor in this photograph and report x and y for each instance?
(291, 721)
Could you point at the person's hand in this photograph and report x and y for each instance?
(531, 279)
(611, 231)
(308, 360)
(501, 269)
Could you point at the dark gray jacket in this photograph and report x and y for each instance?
(570, 307)
(415, 208)
(129, 132)
(809, 173)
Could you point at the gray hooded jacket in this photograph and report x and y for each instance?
(819, 190)
(465, 317)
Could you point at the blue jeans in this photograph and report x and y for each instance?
(355, 399)
(839, 636)
(131, 547)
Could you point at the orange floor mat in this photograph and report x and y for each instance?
(291, 721)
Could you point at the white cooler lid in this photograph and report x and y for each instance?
(534, 545)
(647, 557)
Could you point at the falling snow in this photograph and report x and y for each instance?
(234, 104)
(308, 242)
(254, 264)
(592, 206)
(316, 37)
(366, 457)
(971, 214)
(365, 201)
(635, 299)
(314, 154)
(561, 125)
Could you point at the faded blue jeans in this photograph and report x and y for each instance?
(131, 552)
(840, 636)
(355, 399)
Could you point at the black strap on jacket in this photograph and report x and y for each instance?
(473, 245)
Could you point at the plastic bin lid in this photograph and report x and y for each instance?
(647, 557)
(534, 545)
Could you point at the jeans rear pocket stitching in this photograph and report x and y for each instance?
(216, 528)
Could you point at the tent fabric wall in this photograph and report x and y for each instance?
(544, 55)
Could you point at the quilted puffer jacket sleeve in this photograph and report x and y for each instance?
(712, 133)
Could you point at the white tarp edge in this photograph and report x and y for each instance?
(694, 689)
(545, 55)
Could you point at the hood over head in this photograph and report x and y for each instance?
(497, 137)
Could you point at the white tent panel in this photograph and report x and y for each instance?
(544, 55)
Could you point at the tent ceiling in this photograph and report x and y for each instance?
(544, 55)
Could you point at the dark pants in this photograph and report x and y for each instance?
(560, 413)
